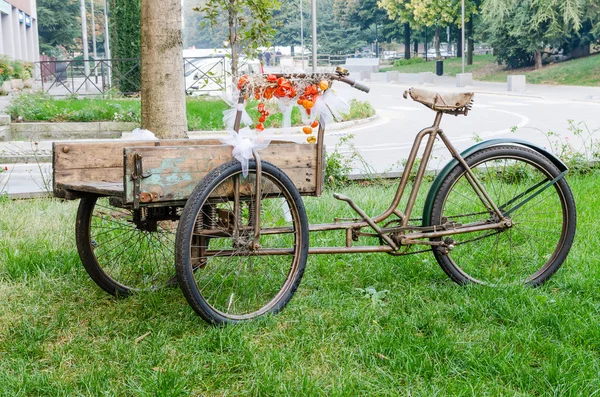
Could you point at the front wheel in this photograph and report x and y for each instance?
(224, 275)
(520, 182)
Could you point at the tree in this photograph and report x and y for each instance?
(125, 44)
(286, 21)
(163, 87)
(371, 20)
(58, 24)
(194, 35)
(397, 11)
(247, 21)
(520, 30)
(429, 13)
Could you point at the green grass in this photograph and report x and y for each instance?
(203, 114)
(582, 71)
(60, 335)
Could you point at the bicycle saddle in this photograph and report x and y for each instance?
(453, 103)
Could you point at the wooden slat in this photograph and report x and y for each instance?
(99, 161)
(101, 188)
(175, 166)
(173, 172)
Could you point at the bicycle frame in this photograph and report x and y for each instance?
(419, 235)
(410, 234)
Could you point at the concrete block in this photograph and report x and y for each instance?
(426, 78)
(464, 79)
(516, 83)
(5, 133)
(57, 131)
(362, 64)
(4, 119)
(379, 77)
(365, 75)
(392, 76)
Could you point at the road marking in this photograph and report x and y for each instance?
(379, 147)
(516, 104)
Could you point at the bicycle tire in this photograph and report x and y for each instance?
(543, 230)
(121, 256)
(239, 285)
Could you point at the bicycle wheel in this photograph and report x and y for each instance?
(223, 279)
(543, 224)
(126, 250)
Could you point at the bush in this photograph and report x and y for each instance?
(359, 110)
(406, 62)
(6, 69)
(41, 107)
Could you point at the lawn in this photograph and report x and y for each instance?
(582, 71)
(60, 335)
(203, 113)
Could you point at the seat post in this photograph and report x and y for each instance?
(438, 120)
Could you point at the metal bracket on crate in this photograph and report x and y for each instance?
(137, 175)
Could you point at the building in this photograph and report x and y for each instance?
(19, 30)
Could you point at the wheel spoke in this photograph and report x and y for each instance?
(538, 202)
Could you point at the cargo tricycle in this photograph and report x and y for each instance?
(235, 236)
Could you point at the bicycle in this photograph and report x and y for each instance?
(242, 242)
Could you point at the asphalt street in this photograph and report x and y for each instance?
(386, 141)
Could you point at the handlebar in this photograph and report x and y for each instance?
(338, 76)
(355, 84)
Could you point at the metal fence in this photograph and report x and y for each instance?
(93, 77)
(203, 75)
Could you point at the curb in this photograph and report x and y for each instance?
(294, 130)
(29, 196)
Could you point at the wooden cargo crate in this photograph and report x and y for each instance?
(169, 169)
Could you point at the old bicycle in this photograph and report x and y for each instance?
(501, 212)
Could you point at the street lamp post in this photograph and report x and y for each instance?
(302, 33)
(376, 42)
(94, 41)
(107, 43)
(462, 43)
(314, 35)
(84, 44)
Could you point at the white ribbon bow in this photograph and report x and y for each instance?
(243, 143)
(327, 106)
(229, 114)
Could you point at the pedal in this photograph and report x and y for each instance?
(447, 245)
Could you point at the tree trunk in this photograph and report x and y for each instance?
(416, 48)
(436, 44)
(406, 41)
(538, 60)
(233, 40)
(163, 85)
(459, 44)
(470, 44)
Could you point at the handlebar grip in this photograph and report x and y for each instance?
(355, 84)
(361, 87)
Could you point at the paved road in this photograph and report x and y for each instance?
(495, 114)
(385, 142)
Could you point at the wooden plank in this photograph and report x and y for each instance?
(100, 161)
(172, 173)
(101, 188)
(112, 174)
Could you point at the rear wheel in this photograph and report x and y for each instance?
(225, 277)
(542, 213)
(126, 250)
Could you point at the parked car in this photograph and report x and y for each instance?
(212, 75)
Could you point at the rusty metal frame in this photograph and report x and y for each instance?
(406, 234)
